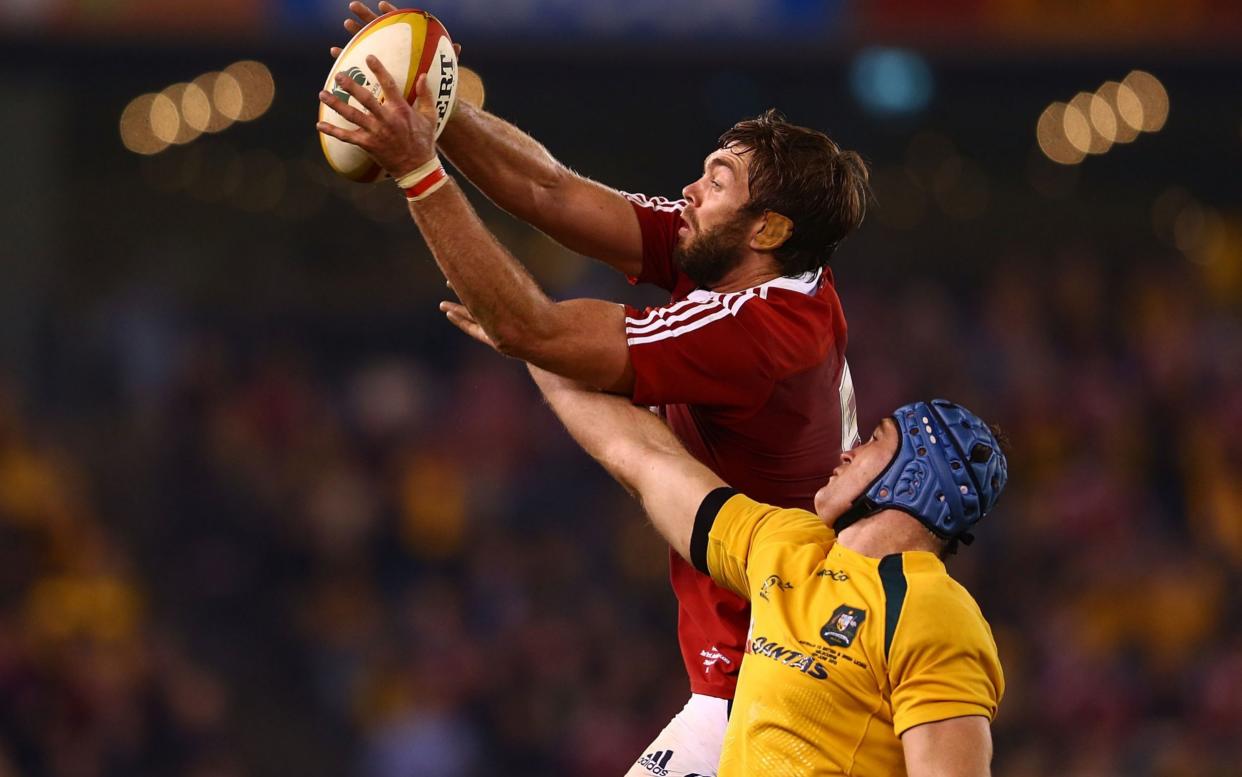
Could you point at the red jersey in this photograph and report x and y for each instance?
(756, 386)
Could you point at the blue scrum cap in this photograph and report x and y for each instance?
(948, 472)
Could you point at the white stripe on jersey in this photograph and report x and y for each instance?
(699, 301)
(679, 331)
(702, 307)
(662, 330)
(633, 327)
(661, 204)
(694, 299)
(660, 317)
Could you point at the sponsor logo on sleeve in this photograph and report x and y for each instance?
(713, 657)
(657, 762)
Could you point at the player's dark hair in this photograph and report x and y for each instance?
(805, 176)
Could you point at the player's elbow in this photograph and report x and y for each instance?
(540, 333)
(522, 339)
(512, 339)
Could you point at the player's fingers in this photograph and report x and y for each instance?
(344, 109)
(365, 13)
(460, 318)
(353, 137)
(457, 50)
(457, 309)
(424, 104)
(386, 81)
(335, 51)
(386, 7)
(359, 93)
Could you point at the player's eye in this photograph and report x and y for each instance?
(715, 184)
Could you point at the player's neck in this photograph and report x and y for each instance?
(752, 271)
(887, 532)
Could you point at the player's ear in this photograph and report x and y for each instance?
(773, 232)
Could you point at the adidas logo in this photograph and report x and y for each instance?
(657, 762)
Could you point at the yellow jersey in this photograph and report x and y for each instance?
(845, 652)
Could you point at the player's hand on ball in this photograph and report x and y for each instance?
(462, 318)
(365, 16)
(400, 137)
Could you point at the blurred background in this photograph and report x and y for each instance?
(263, 512)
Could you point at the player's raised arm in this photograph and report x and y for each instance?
(637, 449)
(958, 747)
(523, 178)
(583, 339)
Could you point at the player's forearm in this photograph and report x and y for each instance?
(637, 449)
(497, 289)
(506, 164)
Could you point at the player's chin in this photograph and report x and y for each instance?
(826, 502)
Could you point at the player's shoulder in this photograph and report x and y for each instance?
(938, 604)
(770, 525)
(741, 506)
(808, 299)
(799, 318)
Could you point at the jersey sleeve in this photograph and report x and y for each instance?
(732, 532)
(943, 662)
(659, 219)
(700, 351)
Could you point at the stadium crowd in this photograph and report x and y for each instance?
(230, 555)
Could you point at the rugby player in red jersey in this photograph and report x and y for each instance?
(746, 362)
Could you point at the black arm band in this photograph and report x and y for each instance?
(703, 525)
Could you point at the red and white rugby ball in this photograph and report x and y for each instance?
(408, 42)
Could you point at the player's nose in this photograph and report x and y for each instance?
(687, 192)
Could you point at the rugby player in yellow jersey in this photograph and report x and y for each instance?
(864, 657)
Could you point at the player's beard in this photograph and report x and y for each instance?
(710, 256)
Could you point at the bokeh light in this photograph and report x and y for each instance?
(1152, 96)
(185, 132)
(165, 118)
(1052, 138)
(1103, 119)
(137, 134)
(217, 121)
(1092, 123)
(195, 107)
(212, 102)
(891, 82)
(227, 96)
(1080, 123)
(257, 86)
(1126, 107)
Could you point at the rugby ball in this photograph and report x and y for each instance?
(409, 43)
